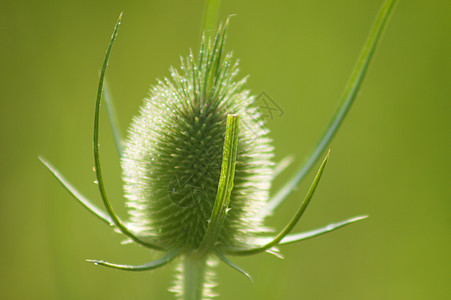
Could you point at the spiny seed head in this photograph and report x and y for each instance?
(173, 154)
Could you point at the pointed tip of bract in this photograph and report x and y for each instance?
(119, 19)
(358, 218)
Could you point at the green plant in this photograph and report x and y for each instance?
(193, 191)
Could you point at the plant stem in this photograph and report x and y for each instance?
(194, 276)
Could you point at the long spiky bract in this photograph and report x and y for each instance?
(145, 267)
(223, 194)
(117, 222)
(349, 95)
(197, 165)
(76, 194)
(291, 224)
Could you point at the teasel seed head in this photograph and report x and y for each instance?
(173, 153)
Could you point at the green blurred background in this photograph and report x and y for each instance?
(390, 159)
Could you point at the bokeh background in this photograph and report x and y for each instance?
(390, 159)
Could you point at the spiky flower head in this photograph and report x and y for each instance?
(172, 157)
